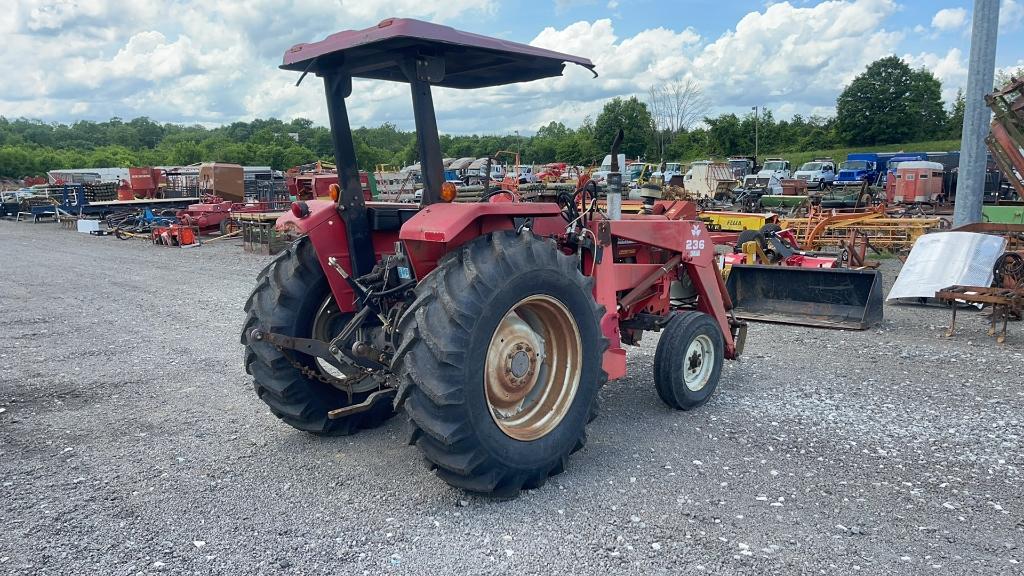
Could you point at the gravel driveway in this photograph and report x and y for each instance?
(131, 441)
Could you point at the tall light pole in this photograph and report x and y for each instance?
(970, 187)
(754, 108)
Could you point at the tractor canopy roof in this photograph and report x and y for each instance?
(461, 59)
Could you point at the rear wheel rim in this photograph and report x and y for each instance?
(698, 363)
(533, 368)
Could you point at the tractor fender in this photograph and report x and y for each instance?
(319, 212)
(441, 228)
(446, 222)
(326, 231)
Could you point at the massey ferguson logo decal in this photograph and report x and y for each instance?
(695, 245)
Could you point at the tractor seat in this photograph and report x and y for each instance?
(384, 217)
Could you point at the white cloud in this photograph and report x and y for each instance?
(797, 57)
(1012, 69)
(801, 55)
(1011, 16)
(103, 58)
(949, 18)
(191, 62)
(950, 69)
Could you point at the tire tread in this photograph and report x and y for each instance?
(432, 354)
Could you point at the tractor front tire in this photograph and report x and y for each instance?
(500, 363)
(288, 294)
(688, 360)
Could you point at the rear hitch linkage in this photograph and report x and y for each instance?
(362, 355)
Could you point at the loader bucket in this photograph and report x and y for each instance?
(820, 297)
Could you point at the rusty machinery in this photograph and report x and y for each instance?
(1006, 134)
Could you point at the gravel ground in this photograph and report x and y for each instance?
(131, 442)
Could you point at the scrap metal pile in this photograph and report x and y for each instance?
(139, 222)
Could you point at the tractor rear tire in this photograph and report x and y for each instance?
(288, 293)
(688, 360)
(486, 419)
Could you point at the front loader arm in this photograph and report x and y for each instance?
(690, 239)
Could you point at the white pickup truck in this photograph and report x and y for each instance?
(776, 167)
(601, 173)
(817, 173)
(665, 176)
(526, 175)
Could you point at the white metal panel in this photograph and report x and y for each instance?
(946, 259)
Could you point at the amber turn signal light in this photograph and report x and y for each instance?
(448, 191)
(334, 191)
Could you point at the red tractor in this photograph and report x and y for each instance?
(492, 324)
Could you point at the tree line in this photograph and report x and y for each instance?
(888, 103)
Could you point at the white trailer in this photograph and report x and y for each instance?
(706, 179)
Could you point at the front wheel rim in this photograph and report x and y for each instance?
(698, 363)
(533, 368)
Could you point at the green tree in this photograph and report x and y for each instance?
(889, 103)
(926, 107)
(16, 162)
(635, 120)
(689, 145)
(112, 156)
(955, 125)
(1004, 76)
(147, 132)
(727, 135)
(186, 152)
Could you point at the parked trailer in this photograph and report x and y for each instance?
(72, 199)
(706, 179)
(888, 178)
(916, 182)
(83, 175)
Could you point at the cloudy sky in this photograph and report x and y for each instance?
(214, 62)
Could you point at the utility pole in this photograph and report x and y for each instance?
(970, 187)
(754, 108)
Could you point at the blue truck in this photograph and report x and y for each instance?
(861, 167)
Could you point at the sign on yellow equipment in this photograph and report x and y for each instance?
(737, 221)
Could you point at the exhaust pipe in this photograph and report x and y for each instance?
(614, 180)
